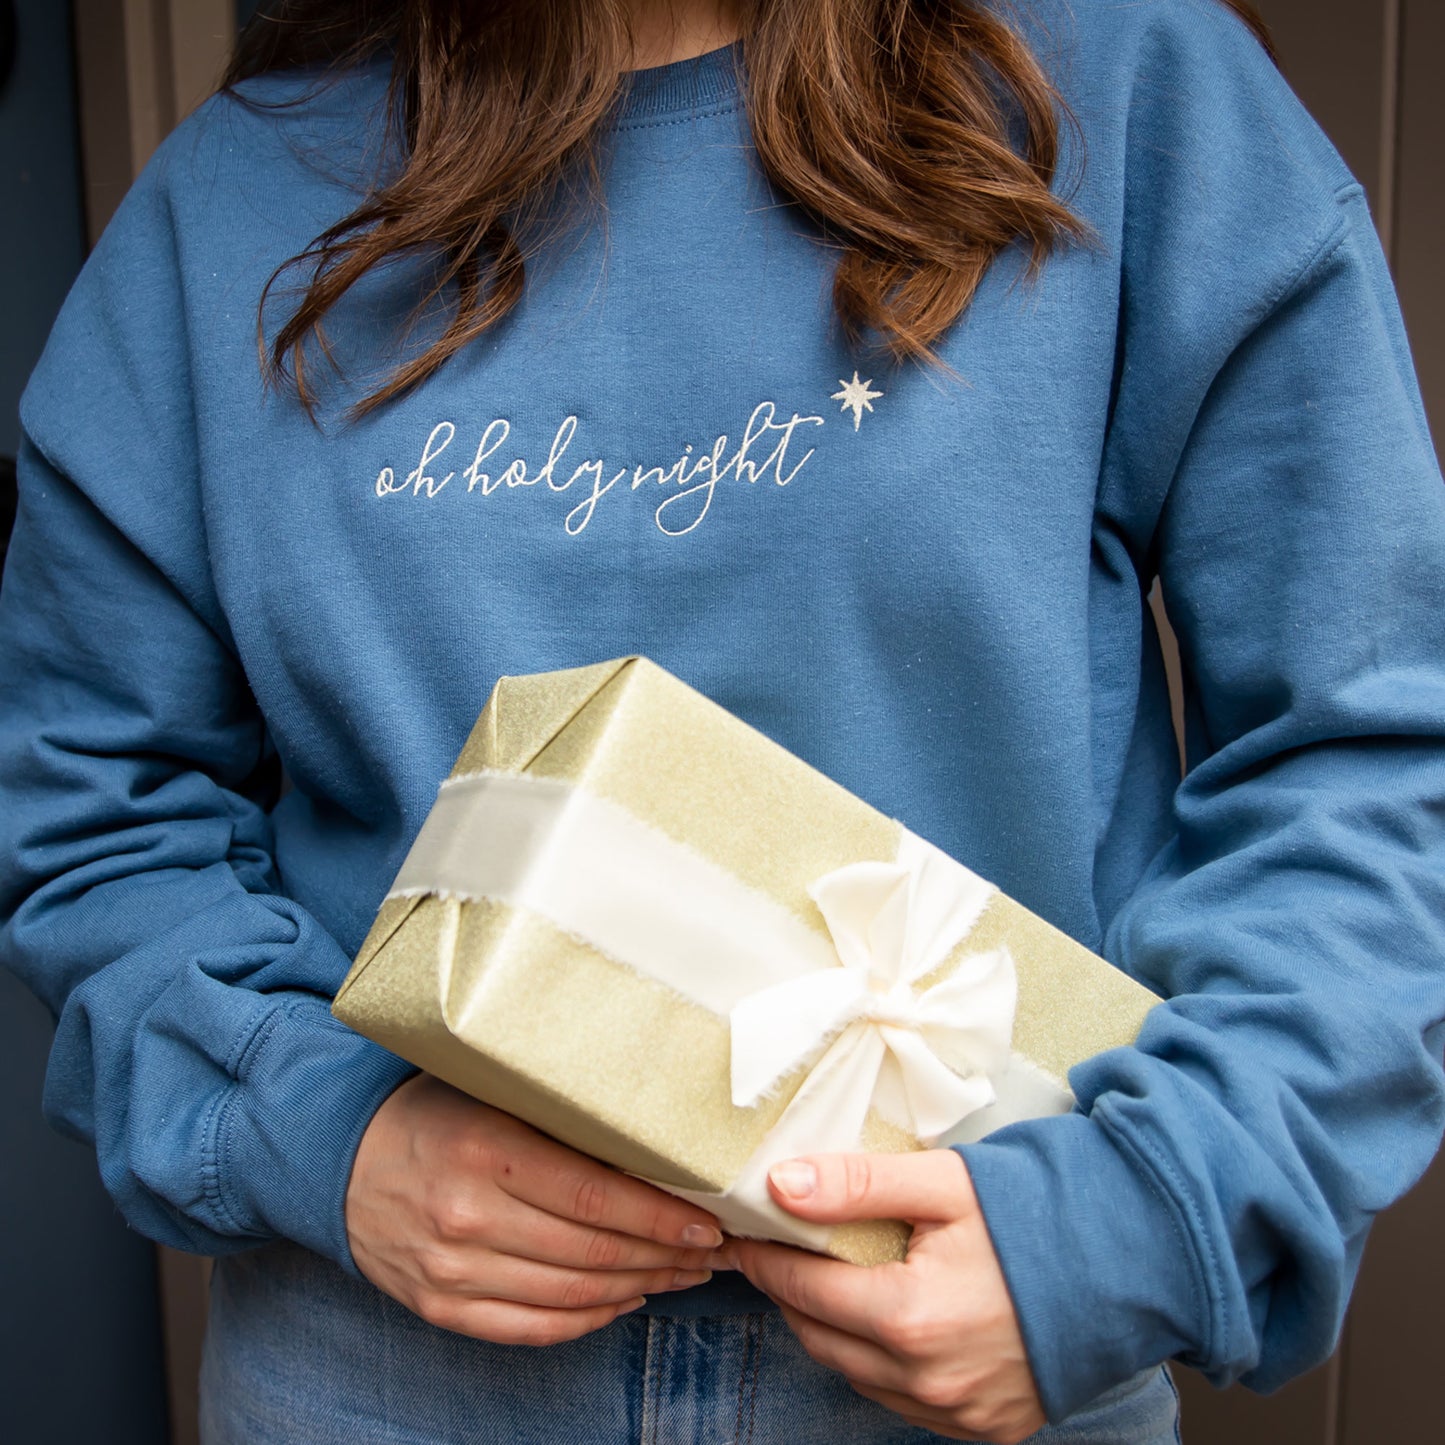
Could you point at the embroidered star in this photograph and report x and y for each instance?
(855, 394)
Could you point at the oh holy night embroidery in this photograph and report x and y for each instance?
(769, 449)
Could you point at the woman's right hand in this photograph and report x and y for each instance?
(479, 1224)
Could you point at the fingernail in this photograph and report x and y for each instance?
(685, 1278)
(724, 1258)
(636, 1304)
(700, 1236)
(795, 1178)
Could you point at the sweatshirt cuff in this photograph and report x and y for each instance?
(1104, 1277)
(281, 1160)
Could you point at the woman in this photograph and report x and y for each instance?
(870, 402)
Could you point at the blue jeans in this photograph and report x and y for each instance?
(299, 1353)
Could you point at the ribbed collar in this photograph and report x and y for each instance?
(706, 82)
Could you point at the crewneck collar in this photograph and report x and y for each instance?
(705, 82)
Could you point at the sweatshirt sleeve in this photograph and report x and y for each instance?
(138, 894)
(1210, 1198)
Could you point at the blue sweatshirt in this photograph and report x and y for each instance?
(931, 589)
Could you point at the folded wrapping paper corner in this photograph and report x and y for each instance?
(674, 945)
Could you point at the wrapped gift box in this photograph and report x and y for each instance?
(646, 929)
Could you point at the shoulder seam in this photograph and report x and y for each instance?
(1324, 242)
(1328, 240)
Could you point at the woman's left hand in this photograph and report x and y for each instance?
(934, 1338)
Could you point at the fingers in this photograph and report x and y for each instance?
(505, 1323)
(521, 1229)
(939, 1395)
(862, 1361)
(913, 1413)
(486, 1275)
(556, 1179)
(848, 1296)
(931, 1186)
(1002, 1423)
(447, 1211)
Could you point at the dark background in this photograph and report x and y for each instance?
(98, 1337)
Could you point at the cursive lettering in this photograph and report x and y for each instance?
(689, 483)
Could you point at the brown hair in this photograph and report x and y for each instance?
(923, 138)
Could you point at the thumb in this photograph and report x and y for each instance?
(932, 1185)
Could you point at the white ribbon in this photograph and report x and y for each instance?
(924, 1060)
(891, 924)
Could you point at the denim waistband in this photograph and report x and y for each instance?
(297, 1350)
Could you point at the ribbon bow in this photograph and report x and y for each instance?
(891, 924)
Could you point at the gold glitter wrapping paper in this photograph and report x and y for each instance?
(507, 1007)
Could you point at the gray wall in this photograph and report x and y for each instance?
(43, 241)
